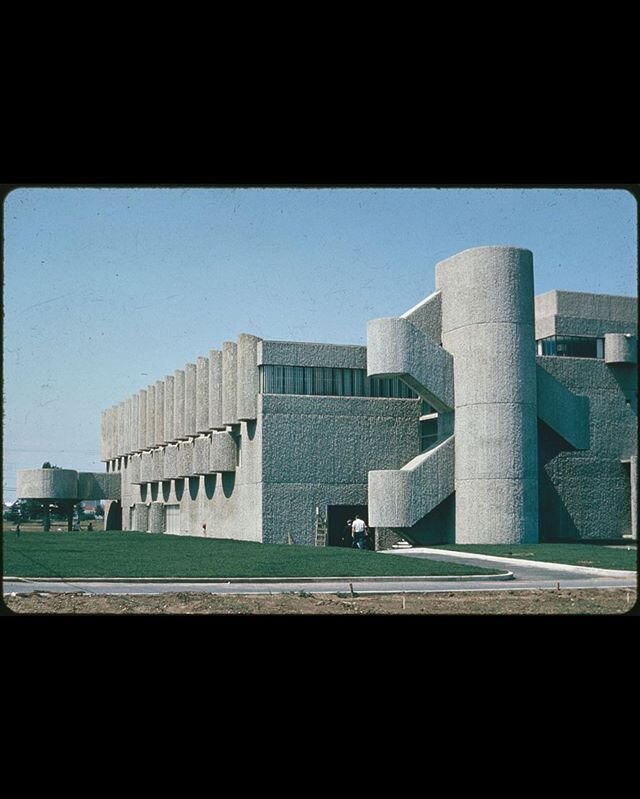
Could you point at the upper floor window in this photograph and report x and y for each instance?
(330, 381)
(571, 346)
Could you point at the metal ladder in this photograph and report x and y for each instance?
(321, 530)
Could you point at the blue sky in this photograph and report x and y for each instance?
(109, 290)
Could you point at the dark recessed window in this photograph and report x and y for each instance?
(329, 381)
(571, 346)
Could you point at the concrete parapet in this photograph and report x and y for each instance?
(47, 484)
(202, 395)
(201, 452)
(134, 468)
(222, 456)
(190, 399)
(620, 348)
(146, 467)
(566, 413)
(400, 498)
(302, 353)
(229, 382)
(396, 348)
(185, 459)
(215, 390)
(170, 465)
(157, 465)
(248, 377)
(427, 316)
(99, 485)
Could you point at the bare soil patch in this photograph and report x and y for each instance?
(613, 601)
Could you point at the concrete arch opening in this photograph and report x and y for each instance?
(113, 519)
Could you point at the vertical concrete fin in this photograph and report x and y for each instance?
(159, 412)
(215, 390)
(178, 405)
(151, 416)
(190, 399)
(168, 408)
(142, 419)
(229, 382)
(248, 377)
(202, 395)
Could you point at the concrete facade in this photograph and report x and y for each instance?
(482, 414)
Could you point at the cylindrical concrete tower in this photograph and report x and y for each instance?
(488, 327)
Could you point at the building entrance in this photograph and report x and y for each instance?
(337, 517)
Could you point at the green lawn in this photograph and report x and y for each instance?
(111, 554)
(597, 555)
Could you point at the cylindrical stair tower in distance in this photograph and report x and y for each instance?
(488, 327)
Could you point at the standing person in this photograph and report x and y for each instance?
(17, 529)
(359, 532)
(204, 529)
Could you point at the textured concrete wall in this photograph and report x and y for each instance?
(159, 413)
(168, 409)
(401, 498)
(248, 377)
(319, 451)
(565, 412)
(142, 419)
(298, 353)
(190, 381)
(202, 395)
(586, 493)
(179, 429)
(396, 347)
(185, 459)
(47, 484)
(488, 327)
(141, 517)
(99, 485)
(620, 348)
(229, 382)
(215, 390)
(222, 452)
(427, 316)
(151, 416)
(201, 452)
(156, 517)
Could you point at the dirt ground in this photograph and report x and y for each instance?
(586, 601)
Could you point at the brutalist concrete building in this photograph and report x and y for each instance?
(481, 415)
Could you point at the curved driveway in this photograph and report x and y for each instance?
(526, 575)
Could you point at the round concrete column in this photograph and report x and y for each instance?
(488, 327)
